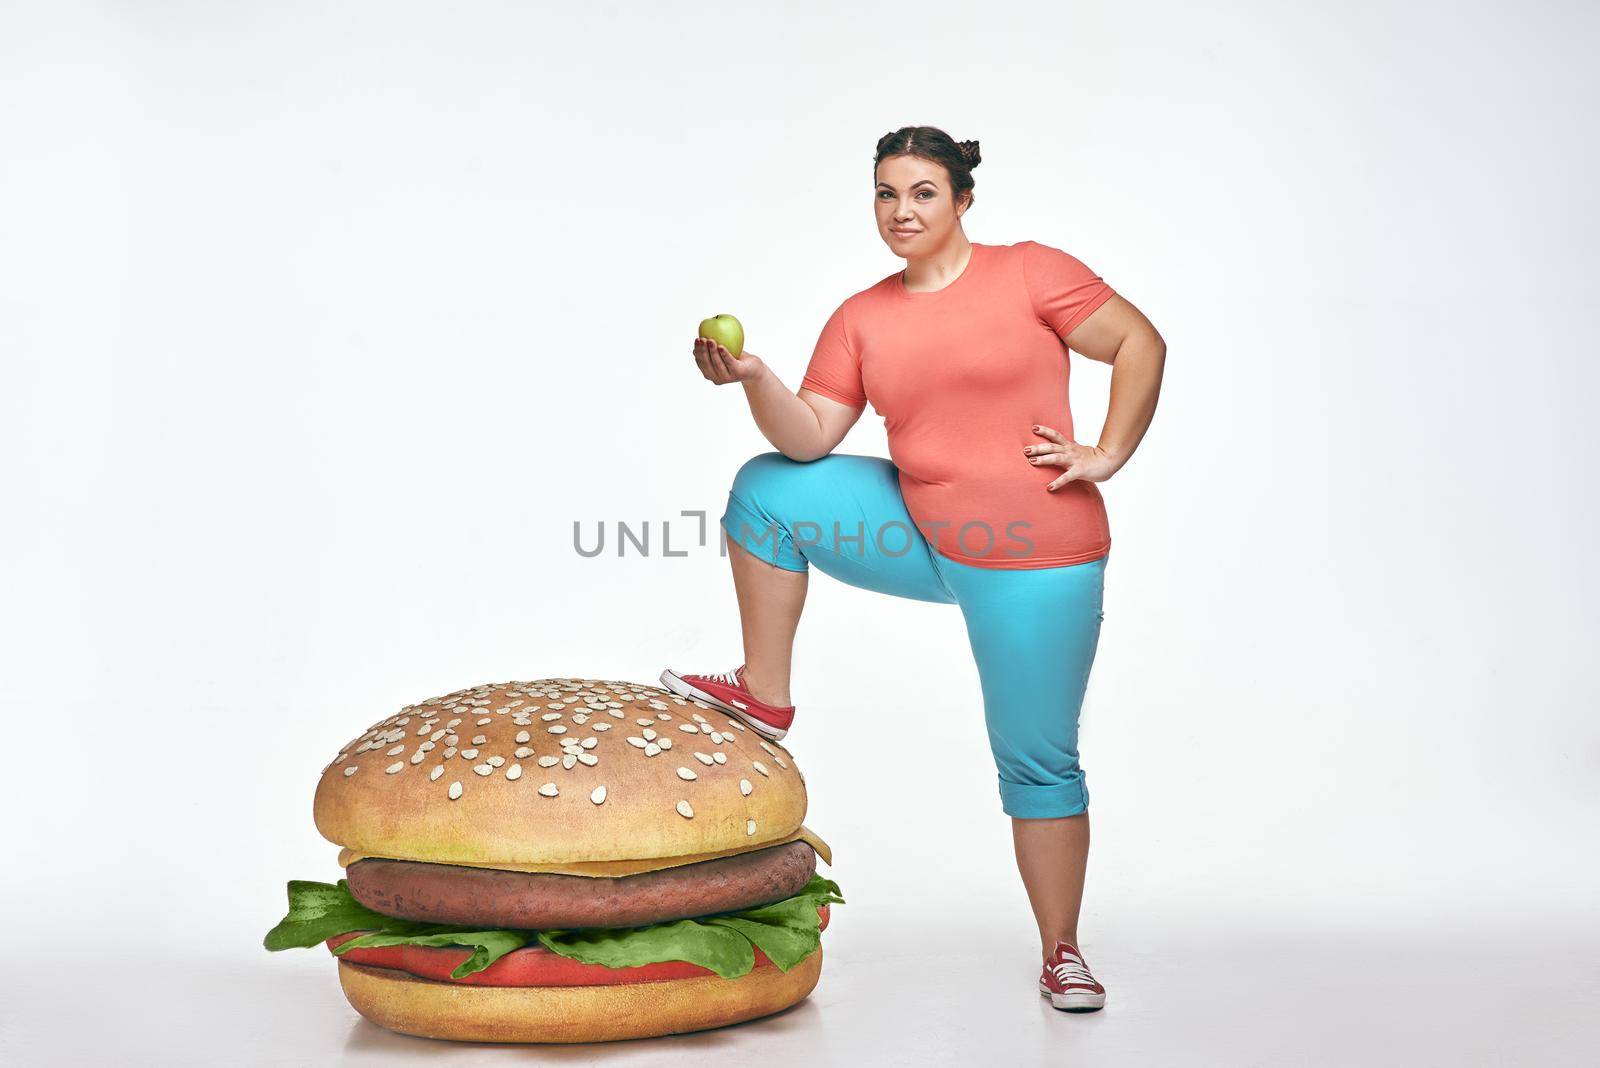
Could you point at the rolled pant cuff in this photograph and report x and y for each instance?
(762, 538)
(1044, 802)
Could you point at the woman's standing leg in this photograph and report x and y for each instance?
(1053, 857)
(1034, 633)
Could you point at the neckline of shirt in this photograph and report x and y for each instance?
(900, 278)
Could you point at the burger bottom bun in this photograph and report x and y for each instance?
(429, 1009)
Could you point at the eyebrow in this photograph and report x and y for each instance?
(925, 181)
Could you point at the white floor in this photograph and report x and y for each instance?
(895, 989)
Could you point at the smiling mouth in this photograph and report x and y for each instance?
(904, 233)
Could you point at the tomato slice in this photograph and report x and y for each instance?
(532, 965)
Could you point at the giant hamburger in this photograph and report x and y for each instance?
(565, 860)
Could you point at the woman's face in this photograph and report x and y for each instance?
(913, 194)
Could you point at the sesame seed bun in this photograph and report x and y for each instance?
(415, 1006)
(558, 771)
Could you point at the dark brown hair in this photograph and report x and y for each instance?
(934, 145)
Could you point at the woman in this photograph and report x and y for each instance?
(988, 502)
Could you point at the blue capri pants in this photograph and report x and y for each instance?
(1033, 631)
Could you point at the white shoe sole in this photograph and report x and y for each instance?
(1085, 1002)
(675, 682)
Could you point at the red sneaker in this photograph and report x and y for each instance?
(726, 690)
(1067, 983)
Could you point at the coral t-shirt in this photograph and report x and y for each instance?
(960, 376)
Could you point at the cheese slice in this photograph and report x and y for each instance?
(614, 868)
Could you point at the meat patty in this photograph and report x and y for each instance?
(489, 897)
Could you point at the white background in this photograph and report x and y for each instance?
(322, 324)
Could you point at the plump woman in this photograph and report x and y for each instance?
(988, 500)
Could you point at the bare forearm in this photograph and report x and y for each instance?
(1135, 387)
(783, 418)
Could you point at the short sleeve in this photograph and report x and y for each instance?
(1064, 291)
(835, 368)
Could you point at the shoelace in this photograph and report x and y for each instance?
(729, 677)
(1071, 969)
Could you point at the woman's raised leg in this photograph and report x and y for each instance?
(842, 513)
(770, 601)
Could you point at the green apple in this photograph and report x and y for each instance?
(726, 329)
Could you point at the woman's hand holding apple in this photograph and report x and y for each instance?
(720, 366)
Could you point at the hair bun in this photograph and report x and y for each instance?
(969, 152)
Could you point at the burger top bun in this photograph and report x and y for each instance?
(558, 771)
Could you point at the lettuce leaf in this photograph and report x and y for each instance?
(717, 948)
(318, 911)
(487, 946)
(787, 931)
